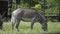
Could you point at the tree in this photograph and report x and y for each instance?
(44, 5)
(59, 9)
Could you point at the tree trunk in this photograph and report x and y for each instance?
(59, 9)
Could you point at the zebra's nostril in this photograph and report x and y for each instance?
(44, 28)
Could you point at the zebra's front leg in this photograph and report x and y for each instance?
(44, 25)
(33, 21)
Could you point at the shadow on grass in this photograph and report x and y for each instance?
(51, 33)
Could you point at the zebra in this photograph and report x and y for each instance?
(35, 15)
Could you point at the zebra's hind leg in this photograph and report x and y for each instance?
(13, 26)
(17, 24)
(13, 23)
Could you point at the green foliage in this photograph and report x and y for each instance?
(51, 5)
(52, 19)
(23, 5)
(37, 6)
(52, 8)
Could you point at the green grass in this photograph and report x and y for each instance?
(24, 28)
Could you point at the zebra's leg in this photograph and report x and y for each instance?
(44, 26)
(1, 25)
(17, 24)
(13, 22)
(13, 25)
(33, 21)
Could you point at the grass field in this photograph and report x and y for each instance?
(24, 28)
